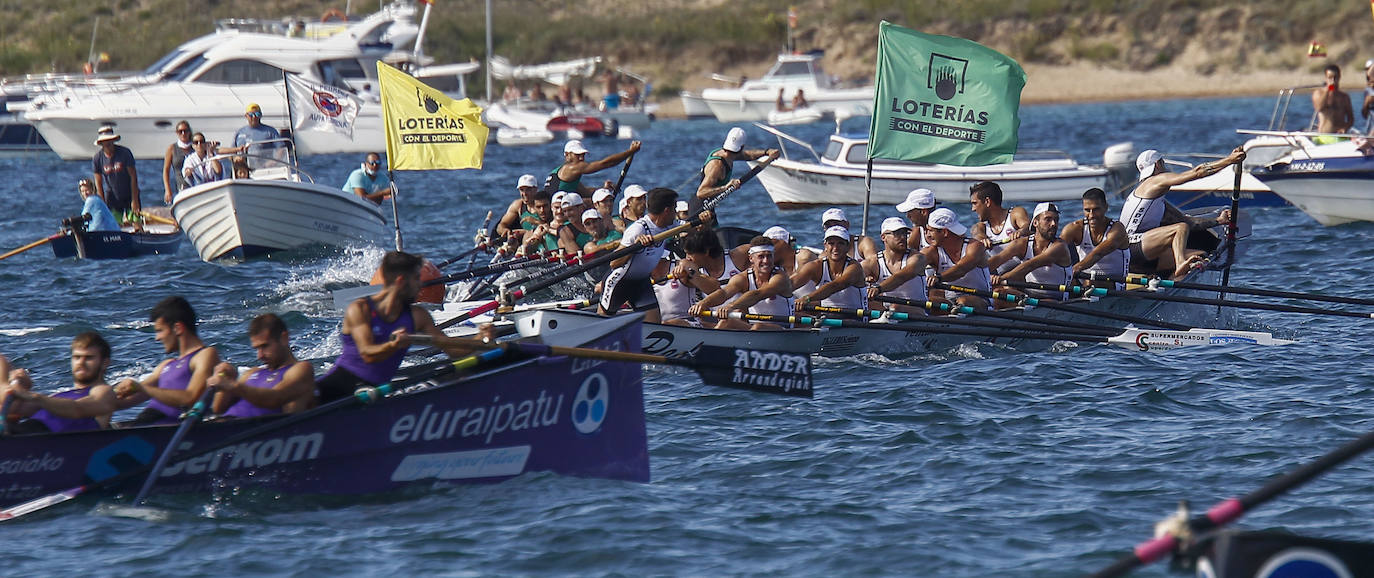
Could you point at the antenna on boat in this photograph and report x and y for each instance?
(91, 64)
(488, 63)
(419, 39)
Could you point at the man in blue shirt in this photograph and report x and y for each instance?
(116, 180)
(101, 217)
(255, 132)
(368, 181)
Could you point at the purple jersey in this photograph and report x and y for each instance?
(175, 375)
(381, 371)
(265, 379)
(58, 424)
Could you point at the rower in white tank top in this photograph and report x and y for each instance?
(977, 278)
(1050, 274)
(1140, 215)
(914, 289)
(675, 296)
(998, 240)
(775, 305)
(848, 298)
(1115, 264)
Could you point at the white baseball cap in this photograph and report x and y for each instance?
(575, 147)
(837, 231)
(917, 199)
(1146, 162)
(572, 199)
(1044, 208)
(601, 195)
(621, 208)
(590, 214)
(635, 191)
(681, 207)
(777, 233)
(558, 198)
(943, 218)
(891, 224)
(833, 214)
(734, 140)
(526, 181)
(1368, 63)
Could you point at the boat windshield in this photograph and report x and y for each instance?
(163, 62)
(241, 72)
(185, 69)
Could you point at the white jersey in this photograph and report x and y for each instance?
(642, 262)
(1050, 274)
(1114, 263)
(775, 305)
(999, 240)
(978, 278)
(674, 298)
(850, 297)
(914, 289)
(1140, 215)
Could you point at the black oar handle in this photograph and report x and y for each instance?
(1146, 280)
(624, 170)
(192, 416)
(1066, 307)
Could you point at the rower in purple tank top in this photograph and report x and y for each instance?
(376, 331)
(86, 406)
(281, 385)
(176, 383)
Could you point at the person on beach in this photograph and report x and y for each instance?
(376, 330)
(900, 271)
(997, 226)
(198, 167)
(568, 176)
(282, 384)
(177, 383)
(101, 217)
(115, 176)
(716, 171)
(629, 279)
(1044, 257)
(761, 289)
(1157, 231)
(173, 181)
(86, 406)
(958, 259)
(369, 181)
(1100, 241)
(1332, 106)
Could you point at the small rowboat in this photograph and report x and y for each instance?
(154, 239)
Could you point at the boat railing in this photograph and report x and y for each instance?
(1302, 139)
(789, 138)
(1279, 117)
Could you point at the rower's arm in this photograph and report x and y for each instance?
(100, 401)
(735, 286)
(1015, 247)
(298, 382)
(612, 160)
(356, 324)
(202, 367)
(453, 346)
(509, 221)
(713, 172)
(853, 276)
(1057, 251)
(913, 269)
(779, 285)
(137, 204)
(974, 256)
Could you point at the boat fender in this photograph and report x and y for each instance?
(428, 294)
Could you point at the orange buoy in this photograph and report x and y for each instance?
(430, 294)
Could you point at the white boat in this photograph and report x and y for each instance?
(836, 177)
(1332, 183)
(754, 99)
(803, 115)
(693, 106)
(278, 209)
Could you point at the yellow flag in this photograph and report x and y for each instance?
(426, 129)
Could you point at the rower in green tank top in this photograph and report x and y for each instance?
(716, 172)
(568, 176)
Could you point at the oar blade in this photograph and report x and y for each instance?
(44, 502)
(1164, 340)
(347, 295)
(755, 370)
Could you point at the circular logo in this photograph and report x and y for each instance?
(1305, 562)
(590, 405)
(327, 104)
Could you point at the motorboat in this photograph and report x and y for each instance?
(1332, 183)
(752, 100)
(525, 121)
(693, 106)
(279, 208)
(803, 115)
(837, 176)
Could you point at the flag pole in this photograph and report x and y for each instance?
(290, 122)
(395, 213)
(488, 63)
(868, 194)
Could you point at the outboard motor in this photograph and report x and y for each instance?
(1119, 159)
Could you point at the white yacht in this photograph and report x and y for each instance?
(754, 99)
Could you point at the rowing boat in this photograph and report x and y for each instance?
(154, 239)
(550, 414)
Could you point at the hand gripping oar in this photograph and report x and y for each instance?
(606, 258)
(485, 232)
(1227, 511)
(43, 241)
(1153, 282)
(1151, 295)
(342, 297)
(1033, 302)
(362, 396)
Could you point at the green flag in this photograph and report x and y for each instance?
(943, 100)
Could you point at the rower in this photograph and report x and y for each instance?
(997, 225)
(282, 384)
(901, 272)
(762, 289)
(568, 176)
(958, 260)
(716, 171)
(861, 247)
(628, 281)
(837, 277)
(634, 204)
(600, 236)
(537, 224)
(376, 330)
(177, 383)
(681, 210)
(573, 235)
(603, 200)
(689, 279)
(917, 206)
(1100, 241)
(1044, 257)
(784, 250)
(1158, 232)
(86, 406)
(519, 209)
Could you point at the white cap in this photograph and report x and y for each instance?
(943, 218)
(734, 140)
(777, 233)
(526, 181)
(891, 224)
(681, 207)
(575, 147)
(833, 214)
(837, 231)
(601, 195)
(1368, 63)
(590, 214)
(558, 198)
(572, 199)
(1043, 208)
(635, 191)
(1146, 162)
(917, 199)
(621, 208)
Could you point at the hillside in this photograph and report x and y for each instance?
(1073, 49)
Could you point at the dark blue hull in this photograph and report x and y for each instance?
(1185, 200)
(116, 245)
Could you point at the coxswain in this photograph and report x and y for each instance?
(837, 277)
(568, 176)
(958, 260)
(1158, 232)
(629, 279)
(997, 226)
(177, 383)
(1044, 257)
(375, 333)
(901, 271)
(716, 171)
(282, 384)
(86, 406)
(762, 289)
(1100, 241)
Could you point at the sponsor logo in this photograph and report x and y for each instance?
(462, 465)
(327, 104)
(945, 75)
(255, 454)
(482, 421)
(30, 464)
(775, 370)
(946, 79)
(590, 406)
(1231, 339)
(661, 343)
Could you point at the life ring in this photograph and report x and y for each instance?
(333, 14)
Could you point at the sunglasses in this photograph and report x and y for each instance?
(197, 141)
(256, 114)
(374, 163)
(183, 130)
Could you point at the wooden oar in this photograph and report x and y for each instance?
(362, 396)
(1153, 282)
(43, 241)
(624, 170)
(157, 218)
(1227, 511)
(734, 367)
(188, 419)
(1154, 296)
(469, 253)
(1048, 304)
(1231, 227)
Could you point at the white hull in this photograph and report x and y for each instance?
(245, 218)
(693, 106)
(748, 105)
(1331, 201)
(806, 115)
